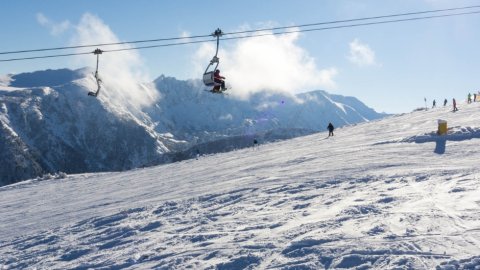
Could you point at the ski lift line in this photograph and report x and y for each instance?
(170, 44)
(350, 20)
(105, 44)
(43, 56)
(390, 21)
(353, 25)
(105, 51)
(159, 45)
(234, 33)
(249, 36)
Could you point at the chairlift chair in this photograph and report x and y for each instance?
(208, 75)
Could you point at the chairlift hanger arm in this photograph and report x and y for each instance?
(96, 52)
(218, 33)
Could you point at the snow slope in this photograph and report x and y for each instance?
(387, 194)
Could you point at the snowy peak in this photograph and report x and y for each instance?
(63, 129)
(47, 77)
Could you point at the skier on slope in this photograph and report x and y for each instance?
(454, 105)
(330, 129)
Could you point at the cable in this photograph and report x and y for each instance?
(351, 20)
(239, 32)
(103, 44)
(300, 31)
(44, 56)
(159, 45)
(105, 51)
(353, 25)
(238, 37)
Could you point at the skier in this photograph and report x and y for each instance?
(455, 105)
(330, 129)
(469, 98)
(219, 81)
(445, 103)
(434, 103)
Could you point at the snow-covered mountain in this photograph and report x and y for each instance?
(386, 194)
(48, 124)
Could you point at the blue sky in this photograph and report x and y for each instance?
(390, 67)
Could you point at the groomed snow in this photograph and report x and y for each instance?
(388, 194)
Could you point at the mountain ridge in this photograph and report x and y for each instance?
(58, 128)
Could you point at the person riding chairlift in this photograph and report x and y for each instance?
(219, 81)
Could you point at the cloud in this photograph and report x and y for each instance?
(361, 54)
(54, 28)
(42, 20)
(120, 71)
(185, 34)
(274, 63)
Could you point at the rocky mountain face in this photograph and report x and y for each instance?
(48, 124)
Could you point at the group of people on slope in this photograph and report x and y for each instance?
(454, 102)
(475, 96)
(444, 103)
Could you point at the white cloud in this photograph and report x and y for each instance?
(185, 34)
(361, 54)
(274, 63)
(54, 28)
(120, 71)
(42, 19)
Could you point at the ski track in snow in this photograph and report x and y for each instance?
(378, 195)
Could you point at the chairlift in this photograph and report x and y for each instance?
(97, 77)
(208, 76)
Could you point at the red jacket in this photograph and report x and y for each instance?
(216, 76)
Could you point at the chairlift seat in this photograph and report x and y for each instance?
(208, 78)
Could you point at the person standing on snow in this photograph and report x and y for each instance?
(455, 105)
(445, 103)
(330, 129)
(255, 143)
(434, 104)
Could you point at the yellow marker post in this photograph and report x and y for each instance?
(442, 127)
